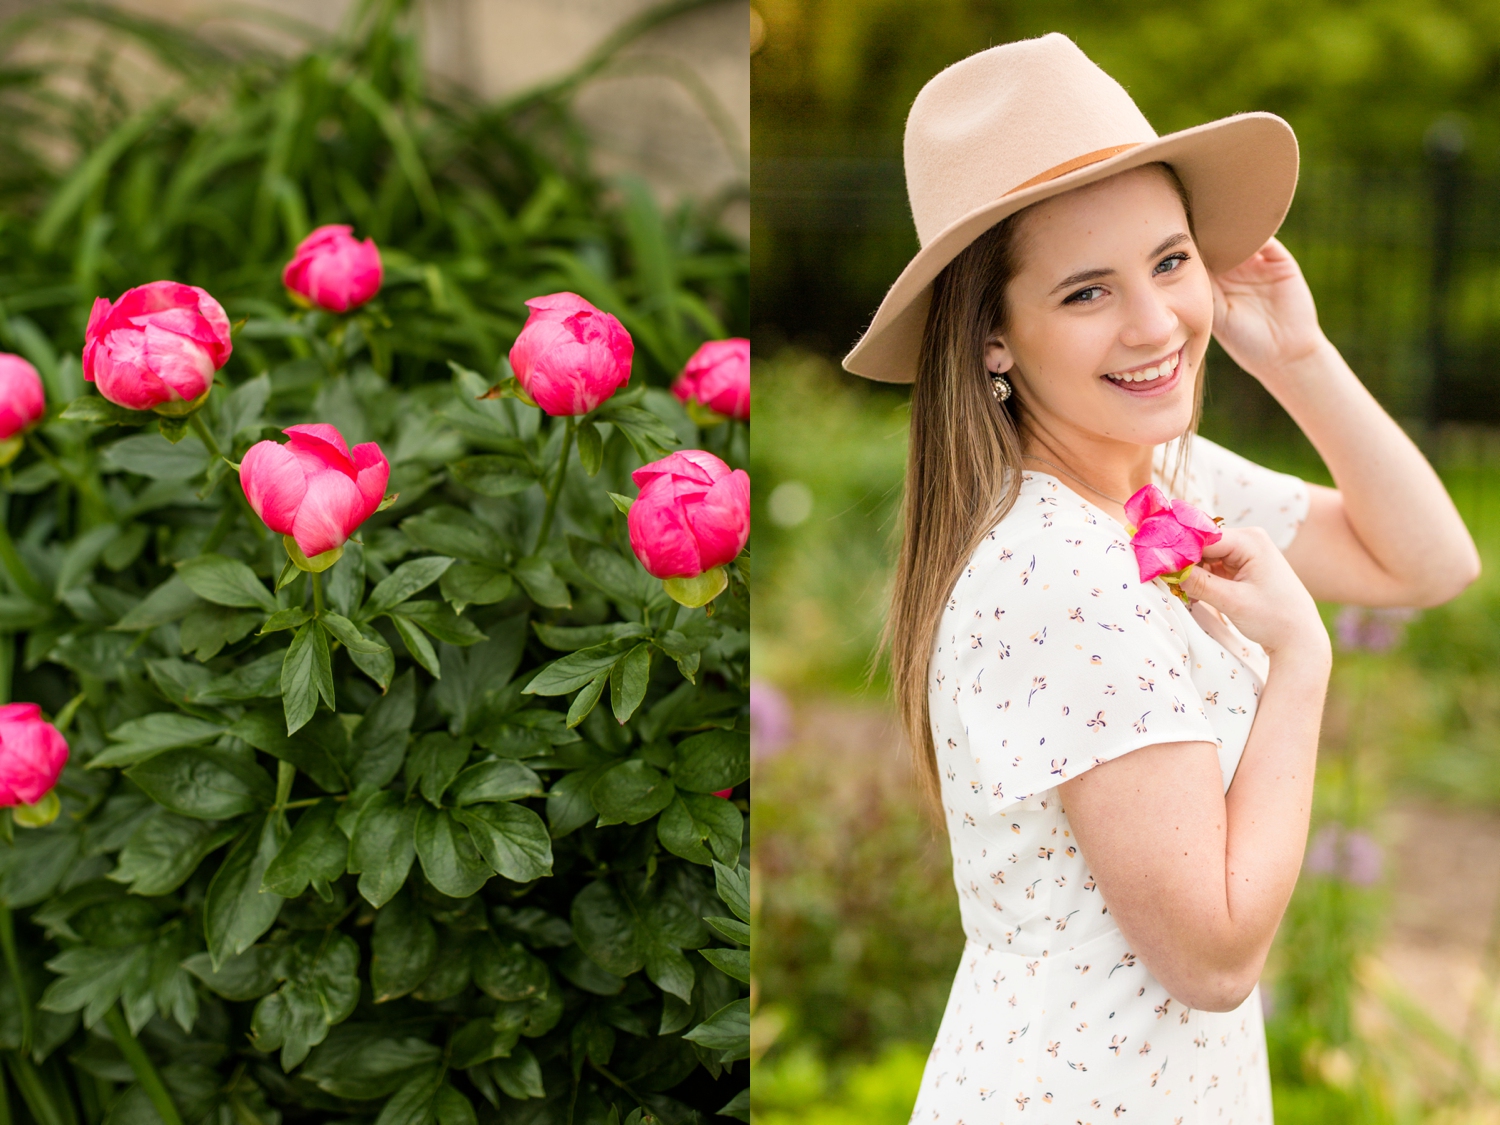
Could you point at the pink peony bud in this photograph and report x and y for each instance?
(1168, 536)
(157, 347)
(334, 270)
(718, 377)
(32, 754)
(22, 402)
(570, 356)
(313, 489)
(725, 793)
(692, 514)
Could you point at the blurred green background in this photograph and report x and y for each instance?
(1389, 1011)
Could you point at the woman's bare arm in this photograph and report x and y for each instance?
(1389, 534)
(1197, 878)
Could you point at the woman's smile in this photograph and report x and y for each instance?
(1149, 379)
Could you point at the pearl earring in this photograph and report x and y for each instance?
(1000, 386)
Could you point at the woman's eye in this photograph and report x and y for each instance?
(1166, 265)
(1082, 296)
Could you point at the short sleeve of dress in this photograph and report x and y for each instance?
(1245, 494)
(1059, 658)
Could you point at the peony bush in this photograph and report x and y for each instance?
(376, 743)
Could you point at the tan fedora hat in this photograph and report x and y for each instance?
(1018, 123)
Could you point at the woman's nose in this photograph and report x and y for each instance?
(1150, 319)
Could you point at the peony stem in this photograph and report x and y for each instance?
(87, 487)
(200, 427)
(10, 559)
(13, 963)
(562, 468)
(195, 419)
(139, 1062)
(317, 585)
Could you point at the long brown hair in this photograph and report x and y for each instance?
(963, 465)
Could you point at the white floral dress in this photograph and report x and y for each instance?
(1052, 657)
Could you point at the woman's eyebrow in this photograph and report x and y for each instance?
(1095, 274)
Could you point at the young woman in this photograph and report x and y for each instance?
(1126, 780)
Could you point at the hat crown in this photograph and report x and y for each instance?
(1005, 116)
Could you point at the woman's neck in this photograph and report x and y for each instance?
(1105, 471)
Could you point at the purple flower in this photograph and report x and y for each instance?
(770, 720)
(1360, 629)
(1350, 855)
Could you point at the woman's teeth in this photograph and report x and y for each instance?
(1147, 374)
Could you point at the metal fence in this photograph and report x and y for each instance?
(1404, 264)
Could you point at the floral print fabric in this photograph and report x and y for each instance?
(1052, 657)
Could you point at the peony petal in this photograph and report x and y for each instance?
(1144, 503)
(32, 755)
(97, 316)
(20, 712)
(180, 362)
(1195, 520)
(275, 484)
(563, 304)
(22, 400)
(122, 372)
(323, 446)
(721, 520)
(660, 536)
(1164, 546)
(329, 512)
(374, 475)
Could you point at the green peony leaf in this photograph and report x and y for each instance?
(224, 581)
(407, 579)
(511, 838)
(506, 970)
(235, 911)
(631, 792)
(382, 846)
(502, 780)
(713, 760)
(403, 948)
(321, 987)
(316, 853)
(450, 861)
(698, 828)
(204, 782)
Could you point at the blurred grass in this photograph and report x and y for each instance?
(133, 151)
(856, 933)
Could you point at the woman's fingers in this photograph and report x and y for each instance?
(1221, 593)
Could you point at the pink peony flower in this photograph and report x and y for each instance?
(334, 270)
(718, 377)
(570, 356)
(157, 347)
(32, 754)
(1168, 536)
(313, 488)
(22, 402)
(692, 514)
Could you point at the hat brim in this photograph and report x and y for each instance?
(1240, 173)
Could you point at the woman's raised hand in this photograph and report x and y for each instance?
(1248, 579)
(1264, 314)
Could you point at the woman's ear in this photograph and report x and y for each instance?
(997, 357)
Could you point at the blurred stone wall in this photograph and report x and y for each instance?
(673, 107)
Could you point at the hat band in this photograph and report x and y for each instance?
(1073, 165)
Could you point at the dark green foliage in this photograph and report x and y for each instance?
(372, 848)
